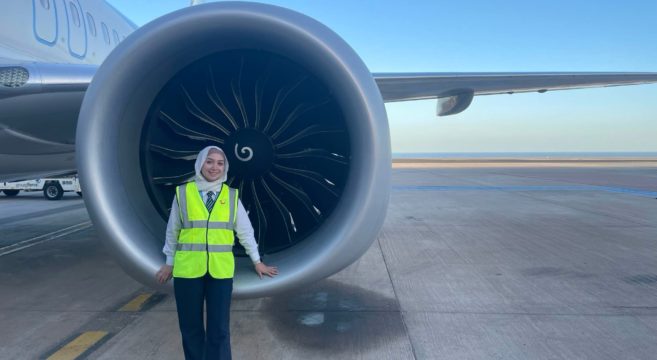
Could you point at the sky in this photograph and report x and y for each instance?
(505, 36)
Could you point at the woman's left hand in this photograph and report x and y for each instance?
(263, 269)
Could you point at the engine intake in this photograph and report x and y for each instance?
(283, 133)
(294, 108)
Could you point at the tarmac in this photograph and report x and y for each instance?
(473, 262)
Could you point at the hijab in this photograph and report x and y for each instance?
(201, 182)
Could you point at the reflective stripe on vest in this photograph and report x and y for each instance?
(203, 247)
(206, 239)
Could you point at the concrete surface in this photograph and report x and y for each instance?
(472, 263)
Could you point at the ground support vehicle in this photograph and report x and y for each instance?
(53, 188)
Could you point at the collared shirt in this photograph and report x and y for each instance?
(243, 229)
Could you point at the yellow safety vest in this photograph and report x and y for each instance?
(205, 242)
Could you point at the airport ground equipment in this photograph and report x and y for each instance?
(53, 188)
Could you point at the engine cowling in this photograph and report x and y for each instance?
(295, 109)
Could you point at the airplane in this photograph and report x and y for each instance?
(300, 117)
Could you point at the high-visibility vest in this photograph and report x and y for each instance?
(205, 242)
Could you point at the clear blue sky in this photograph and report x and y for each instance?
(472, 36)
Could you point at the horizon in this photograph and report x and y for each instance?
(526, 155)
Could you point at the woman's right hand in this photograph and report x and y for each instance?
(164, 274)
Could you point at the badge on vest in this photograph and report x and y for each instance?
(222, 201)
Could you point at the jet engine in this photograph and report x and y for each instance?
(296, 111)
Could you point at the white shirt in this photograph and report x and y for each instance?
(243, 229)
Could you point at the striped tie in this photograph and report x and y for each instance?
(209, 203)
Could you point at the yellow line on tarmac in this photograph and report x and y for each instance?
(135, 304)
(78, 346)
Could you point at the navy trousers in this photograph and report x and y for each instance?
(199, 344)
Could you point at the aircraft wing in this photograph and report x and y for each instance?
(454, 91)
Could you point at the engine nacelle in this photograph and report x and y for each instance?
(296, 111)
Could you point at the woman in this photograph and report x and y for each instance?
(204, 216)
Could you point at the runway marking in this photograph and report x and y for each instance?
(137, 303)
(645, 193)
(94, 334)
(21, 245)
(78, 346)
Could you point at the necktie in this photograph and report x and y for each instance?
(209, 203)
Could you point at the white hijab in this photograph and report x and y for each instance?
(201, 182)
